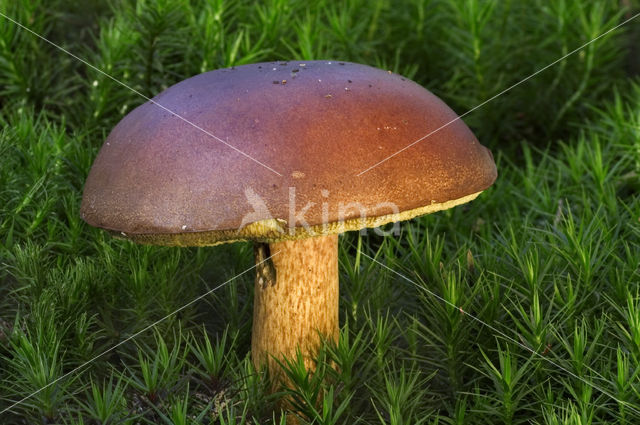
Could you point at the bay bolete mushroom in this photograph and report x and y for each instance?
(274, 153)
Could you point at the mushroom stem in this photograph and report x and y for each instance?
(296, 300)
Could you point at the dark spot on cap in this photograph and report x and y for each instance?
(276, 82)
(349, 81)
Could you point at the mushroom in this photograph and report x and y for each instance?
(229, 155)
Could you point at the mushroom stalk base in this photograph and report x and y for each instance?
(296, 300)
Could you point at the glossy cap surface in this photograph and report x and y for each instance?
(159, 179)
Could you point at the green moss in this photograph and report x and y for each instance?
(521, 307)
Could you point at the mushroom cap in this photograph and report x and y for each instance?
(275, 151)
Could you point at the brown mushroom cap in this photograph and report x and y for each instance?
(158, 179)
